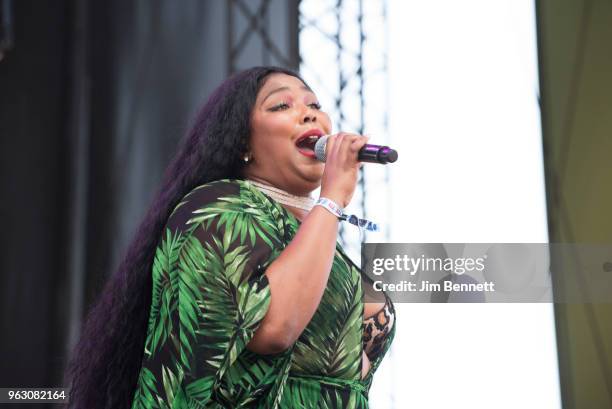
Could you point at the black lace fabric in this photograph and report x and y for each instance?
(376, 329)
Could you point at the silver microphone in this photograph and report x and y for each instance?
(369, 153)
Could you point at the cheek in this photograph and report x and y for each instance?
(280, 125)
(326, 122)
(269, 132)
(277, 129)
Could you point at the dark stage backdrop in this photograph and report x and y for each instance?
(94, 96)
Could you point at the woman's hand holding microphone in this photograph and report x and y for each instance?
(341, 167)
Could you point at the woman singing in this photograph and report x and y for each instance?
(234, 292)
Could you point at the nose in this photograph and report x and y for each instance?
(310, 116)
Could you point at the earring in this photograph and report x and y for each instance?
(247, 158)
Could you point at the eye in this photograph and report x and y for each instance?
(282, 105)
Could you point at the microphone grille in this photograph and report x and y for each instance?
(319, 148)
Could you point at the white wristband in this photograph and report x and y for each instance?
(330, 205)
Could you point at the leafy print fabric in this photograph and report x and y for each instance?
(209, 296)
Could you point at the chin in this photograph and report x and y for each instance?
(315, 176)
(313, 180)
(311, 173)
(316, 184)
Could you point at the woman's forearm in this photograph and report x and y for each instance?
(297, 278)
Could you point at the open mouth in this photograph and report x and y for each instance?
(307, 143)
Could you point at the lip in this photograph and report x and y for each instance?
(310, 154)
(310, 132)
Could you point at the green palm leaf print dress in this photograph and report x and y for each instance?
(209, 296)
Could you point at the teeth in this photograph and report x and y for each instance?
(311, 137)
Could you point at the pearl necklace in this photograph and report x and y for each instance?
(283, 197)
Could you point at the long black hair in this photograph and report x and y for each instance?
(104, 368)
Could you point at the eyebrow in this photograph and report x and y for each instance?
(285, 88)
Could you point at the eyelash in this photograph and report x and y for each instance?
(284, 104)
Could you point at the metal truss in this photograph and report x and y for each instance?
(343, 57)
(249, 33)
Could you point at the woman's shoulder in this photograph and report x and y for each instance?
(200, 196)
(217, 197)
(213, 189)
